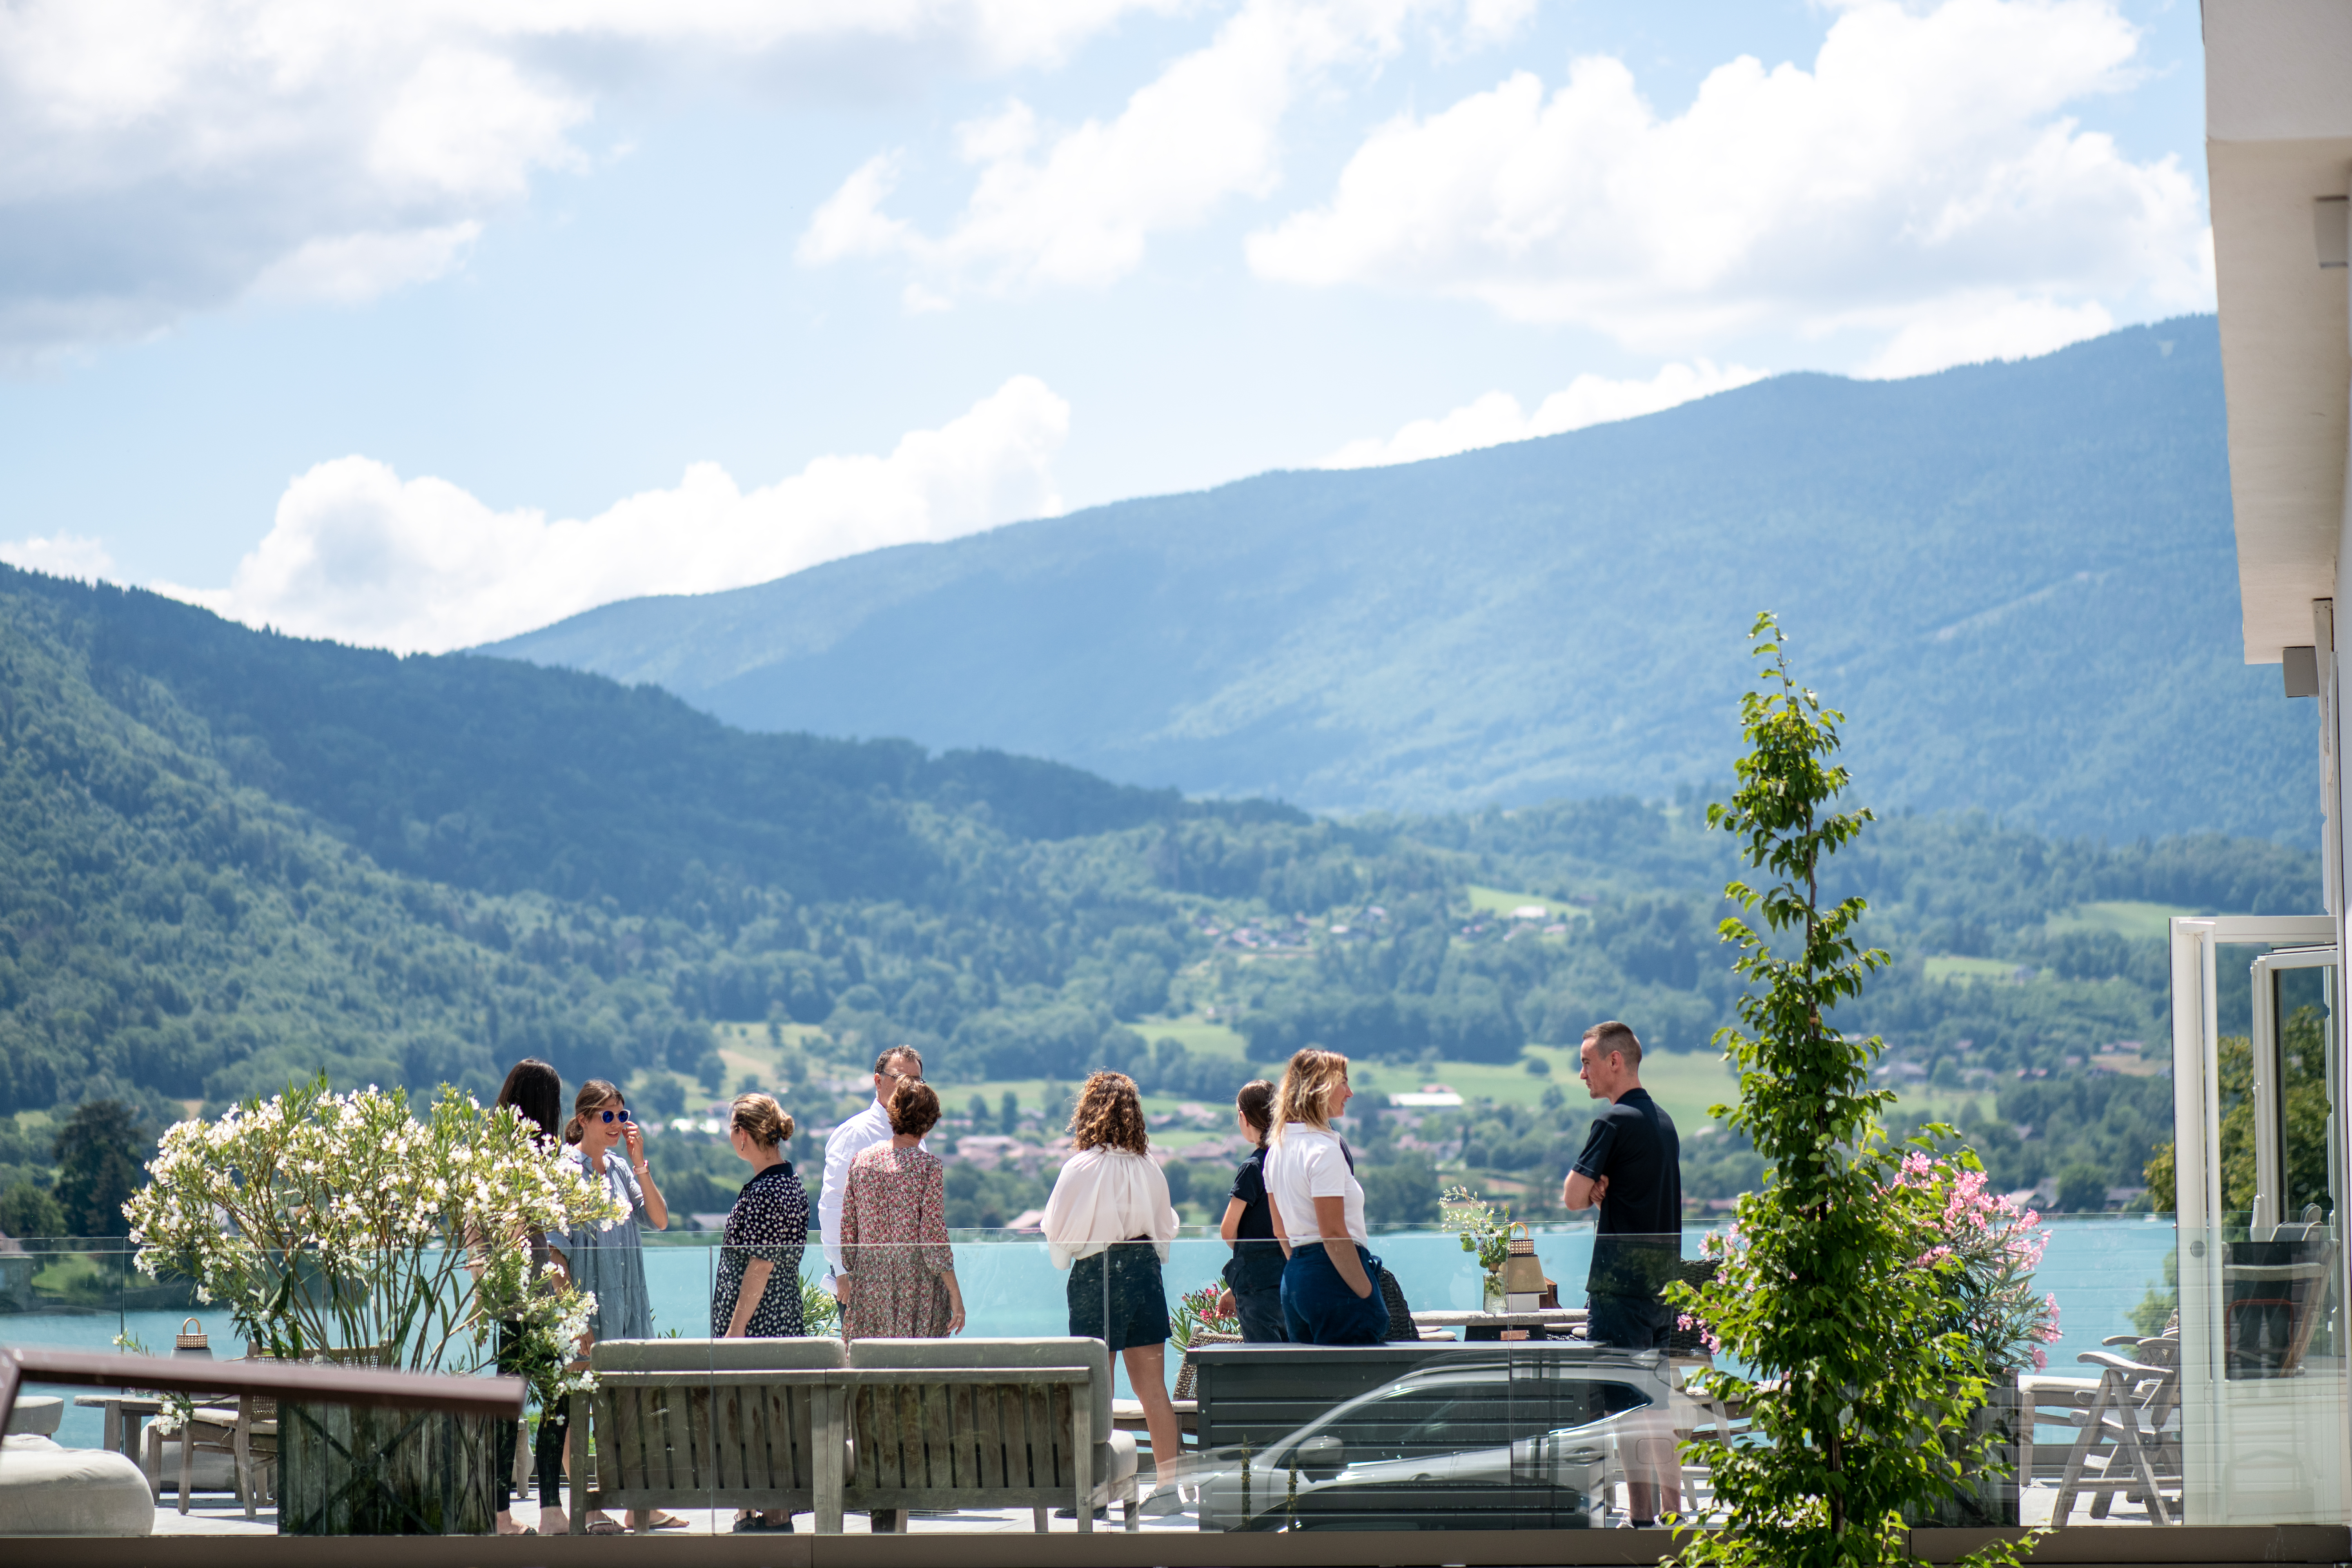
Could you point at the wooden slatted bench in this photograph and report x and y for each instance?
(910, 1423)
(977, 1422)
(709, 1424)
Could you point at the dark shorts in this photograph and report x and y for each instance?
(1261, 1315)
(1122, 1303)
(1628, 1322)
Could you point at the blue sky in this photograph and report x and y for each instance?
(424, 330)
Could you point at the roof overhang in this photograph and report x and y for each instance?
(2278, 140)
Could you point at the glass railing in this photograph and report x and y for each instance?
(2197, 1379)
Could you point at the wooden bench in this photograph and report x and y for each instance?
(708, 1424)
(979, 1423)
(908, 1424)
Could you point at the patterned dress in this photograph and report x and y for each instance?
(769, 1220)
(894, 1235)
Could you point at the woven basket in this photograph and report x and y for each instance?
(1185, 1373)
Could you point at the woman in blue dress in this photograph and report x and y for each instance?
(608, 1148)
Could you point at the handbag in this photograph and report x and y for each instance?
(1522, 1269)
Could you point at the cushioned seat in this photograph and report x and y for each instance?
(48, 1490)
(39, 1415)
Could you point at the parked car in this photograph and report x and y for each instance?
(1485, 1439)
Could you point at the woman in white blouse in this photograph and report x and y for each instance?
(1330, 1294)
(1109, 1222)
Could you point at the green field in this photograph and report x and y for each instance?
(1502, 901)
(2125, 917)
(1970, 969)
(1199, 1036)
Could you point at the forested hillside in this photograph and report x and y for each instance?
(2022, 574)
(229, 857)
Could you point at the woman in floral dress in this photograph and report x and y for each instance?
(901, 1280)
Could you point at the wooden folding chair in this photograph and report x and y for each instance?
(2128, 1441)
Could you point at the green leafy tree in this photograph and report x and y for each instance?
(27, 1210)
(98, 1153)
(1830, 1295)
(2081, 1189)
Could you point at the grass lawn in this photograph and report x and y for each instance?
(1202, 1036)
(2125, 917)
(1970, 969)
(1501, 901)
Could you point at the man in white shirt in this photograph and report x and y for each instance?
(852, 1138)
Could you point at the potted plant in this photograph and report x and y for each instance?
(1486, 1233)
(1200, 1319)
(1986, 1251)
(342, 1227)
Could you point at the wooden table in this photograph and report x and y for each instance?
(126, 1413)
(1556, 1322)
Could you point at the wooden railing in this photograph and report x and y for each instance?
(371, 1388)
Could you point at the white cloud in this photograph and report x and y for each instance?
(1496, 417)
(1966, 330)
(158, 157)
(1923, 170)
(60, 555)
(358, 553)
(1078, 204)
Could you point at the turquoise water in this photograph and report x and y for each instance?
(2099, 1267)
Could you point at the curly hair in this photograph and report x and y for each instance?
(1109, 1114)
(1306, 1092)
(914, 1107)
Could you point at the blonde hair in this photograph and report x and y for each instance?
(1109, 1114)
(1305, 1094)
(759, 1115)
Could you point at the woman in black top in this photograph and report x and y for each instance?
(1253, 1273)
(534, 1092)
(757, 1292)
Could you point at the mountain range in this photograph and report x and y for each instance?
(2018, 576)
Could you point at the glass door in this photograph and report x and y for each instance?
(2258, 1412)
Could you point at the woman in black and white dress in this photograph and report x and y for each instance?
(757, 1292)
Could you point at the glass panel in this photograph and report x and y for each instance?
(1460, 1430)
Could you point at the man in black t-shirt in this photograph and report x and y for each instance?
(1631, 1167)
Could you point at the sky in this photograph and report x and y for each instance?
(424, 325)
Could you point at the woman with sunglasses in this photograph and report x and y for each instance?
(609, 1149)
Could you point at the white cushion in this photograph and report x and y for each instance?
(48, 1490)
(801, 1354)
(38, 1413)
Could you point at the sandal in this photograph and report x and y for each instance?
(606, 1527)
(663, 1521)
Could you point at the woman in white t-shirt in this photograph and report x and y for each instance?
(1331, 1292)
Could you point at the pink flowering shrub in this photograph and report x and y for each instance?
(1987, 1251)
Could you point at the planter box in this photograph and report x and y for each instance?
(1990, 1500)
(345, 1471)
